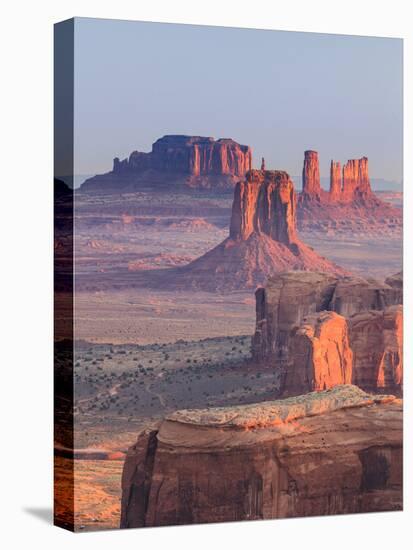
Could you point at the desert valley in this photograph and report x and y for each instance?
(224, 322)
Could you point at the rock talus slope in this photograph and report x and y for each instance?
(262, 240)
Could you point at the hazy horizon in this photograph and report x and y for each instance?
(279, 92)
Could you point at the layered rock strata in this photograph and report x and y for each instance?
(377, 342)
(194, 160)
(311, 175)
(332, 452)
(348, 206)
(320, 354)
(335, 181)
(319, 330)
(262, 240)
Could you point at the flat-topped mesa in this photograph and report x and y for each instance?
(192, 155)
(193, 161)
(356, 182)
(335, 181)
(311, 176)
(330, 452)
(264, 203)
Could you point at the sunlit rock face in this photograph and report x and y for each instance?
(194, 161)
(320, 330)
(356, 182)
(264, 203)
(262, 240)
(311, 175)
(335, 181)
(321, 356)
(349, 206)
(332, 452)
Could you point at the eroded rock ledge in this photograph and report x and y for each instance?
(320, 330)
(331, 452)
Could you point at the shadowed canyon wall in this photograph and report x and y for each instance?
(259, 461)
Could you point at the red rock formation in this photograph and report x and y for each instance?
(303, 344)
(356, 182)
(264, 203)
(320, 355)
(349, 206)
(262, 240)
(311, 175)
(332, 452)
(335, 181)
(195, 160)
(376, 338)
(355, 294)
(281, 306)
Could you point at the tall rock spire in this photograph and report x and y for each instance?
(335, 181)
(311, 175)
(356, 182)
(264, 203)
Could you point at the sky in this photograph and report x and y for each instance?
(279, 92)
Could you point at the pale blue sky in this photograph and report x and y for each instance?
(279, 92)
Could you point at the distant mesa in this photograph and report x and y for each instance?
(193, 161)
(349, 204)
(262, 240)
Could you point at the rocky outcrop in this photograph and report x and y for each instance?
(349, 206)
(356, 182)
(264, 203)
(335, 181)
(320, 354)
(355, 294)
(332, 452)
(287, 298)
(311, 176)
(193, 160)
(376, 339)
(262, 240)
(303, 323)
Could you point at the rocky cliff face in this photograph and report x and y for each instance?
(376, 339)
(335, 181)
(262, 240)
(332, 452)
(320, 354)
(264, 203)
(349, 205)
(356, 182)
(197, 161)
(311, 176)
(298, 333)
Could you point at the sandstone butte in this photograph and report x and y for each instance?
(332, 452)
(194, 161)
(262, 240)
(320, 330)
(349, 204)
